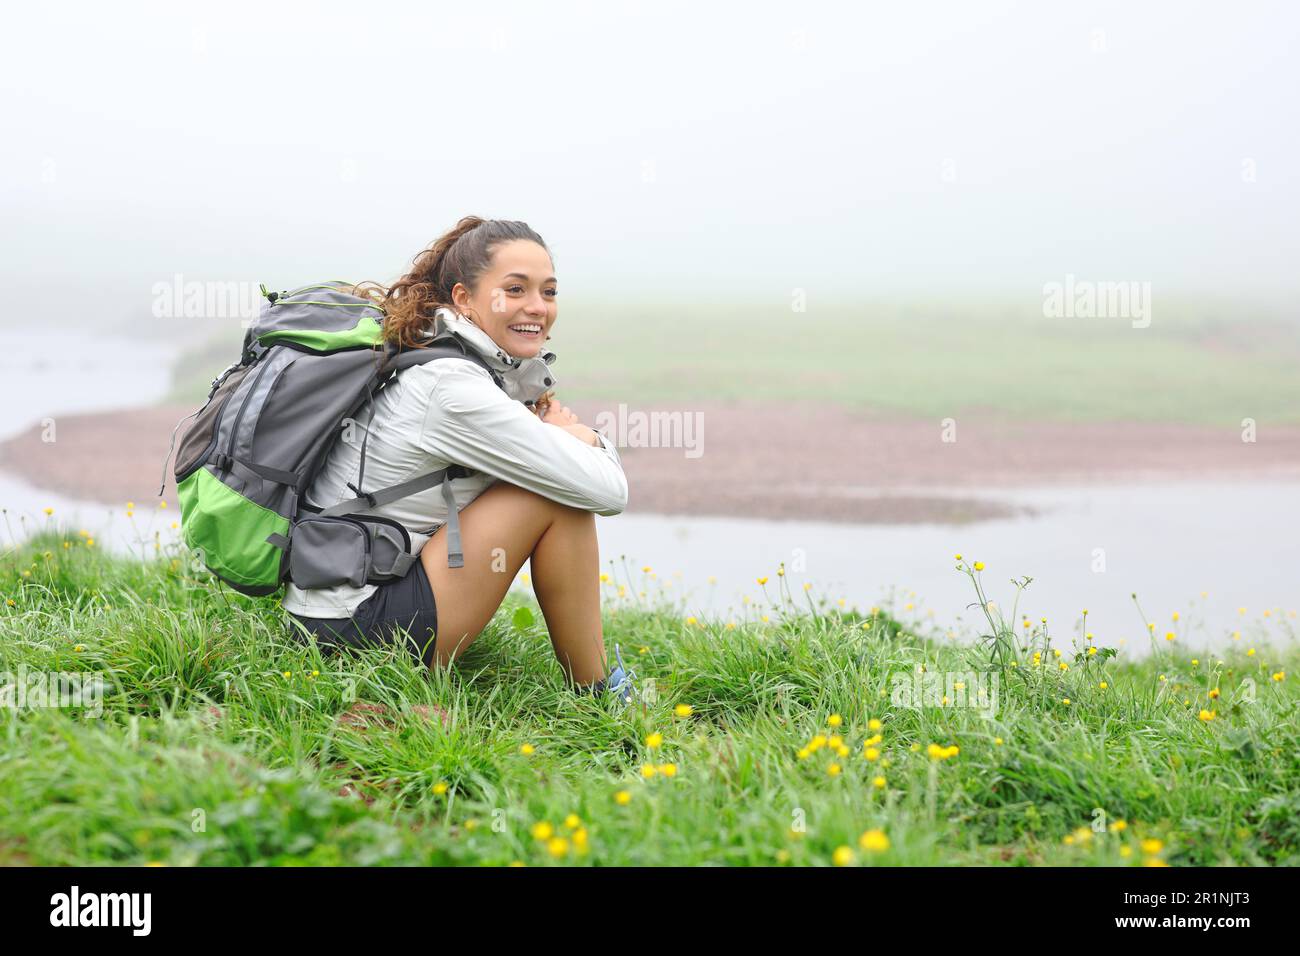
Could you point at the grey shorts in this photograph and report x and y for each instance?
(399, 611)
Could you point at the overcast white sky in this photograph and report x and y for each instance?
(662, 149)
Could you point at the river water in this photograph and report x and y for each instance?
(45, 374)
(1202, 549)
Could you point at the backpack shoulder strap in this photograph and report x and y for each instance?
(444, 346)
(447, 345)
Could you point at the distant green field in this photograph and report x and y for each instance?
(930, 361)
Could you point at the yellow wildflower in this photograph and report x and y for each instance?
(542, 831)
(874, 841)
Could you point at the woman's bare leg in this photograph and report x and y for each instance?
(499, 530)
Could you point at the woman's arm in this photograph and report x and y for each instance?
(471, 422)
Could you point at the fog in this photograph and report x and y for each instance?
(663, 149)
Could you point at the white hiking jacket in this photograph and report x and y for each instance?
(451, 412)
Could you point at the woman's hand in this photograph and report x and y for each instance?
(582, 432)
(557, 414)
(561, 416)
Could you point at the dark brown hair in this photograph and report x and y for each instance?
(461, 254)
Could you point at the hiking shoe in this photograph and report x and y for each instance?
(620, 680)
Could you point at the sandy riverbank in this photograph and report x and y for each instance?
(783, 462)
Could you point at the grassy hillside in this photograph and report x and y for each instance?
(777, 741)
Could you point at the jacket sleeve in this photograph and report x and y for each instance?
(470, 421)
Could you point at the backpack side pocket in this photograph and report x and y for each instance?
(328, 552)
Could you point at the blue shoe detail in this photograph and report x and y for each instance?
(620, 680)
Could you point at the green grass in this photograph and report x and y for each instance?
(207, 753)
(925, 360)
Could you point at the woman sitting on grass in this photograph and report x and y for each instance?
(541, 475)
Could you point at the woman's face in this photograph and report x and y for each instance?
(515, 300)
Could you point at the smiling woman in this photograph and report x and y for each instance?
(532, 476)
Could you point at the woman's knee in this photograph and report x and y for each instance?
(531, 499)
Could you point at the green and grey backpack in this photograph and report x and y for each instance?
(313, 360)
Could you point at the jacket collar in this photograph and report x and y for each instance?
(445, 320)
(525, 378)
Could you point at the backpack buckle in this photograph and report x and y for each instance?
(370, 499)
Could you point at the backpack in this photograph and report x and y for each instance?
(313, 360)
